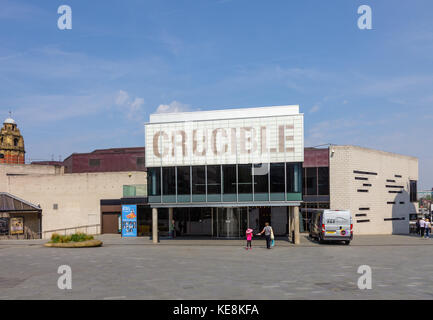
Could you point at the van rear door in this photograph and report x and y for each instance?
(337, 223)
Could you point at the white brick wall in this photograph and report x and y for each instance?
(344, 195)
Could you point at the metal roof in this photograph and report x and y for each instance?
(10, 202)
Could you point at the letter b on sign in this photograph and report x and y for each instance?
(65, 280)
(65, 20)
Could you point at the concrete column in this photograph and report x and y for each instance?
(290, 224)
(296, 225)
(170, 223)
(155, 225)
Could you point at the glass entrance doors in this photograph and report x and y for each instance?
(229, 222)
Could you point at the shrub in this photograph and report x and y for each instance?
(55, 238)
(76, 237)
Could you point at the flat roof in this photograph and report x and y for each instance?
(225, 114)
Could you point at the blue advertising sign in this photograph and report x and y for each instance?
(129, 220)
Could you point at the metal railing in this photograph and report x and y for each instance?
(64, 231)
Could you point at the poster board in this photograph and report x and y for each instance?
(129, 220)
(17, 225)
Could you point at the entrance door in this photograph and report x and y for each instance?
(264, 216)
(110, 222)
(230, 222)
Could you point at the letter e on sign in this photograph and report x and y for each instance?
(65, 20)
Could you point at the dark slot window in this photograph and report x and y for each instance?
(183, 180)
(140, 161)
(397, 176)
(402, 202)
(323, 181)
(364, 209)
(365, 172)
(388, 186)
(245, 182)
(311, 181)
(213, 179)
(198, 180)
(362, 190)
(277, 177)
(294, 177)
(390, 202)
(413, 191)
(395, 191)
(229, 179)
(154, 181)
(361, 178)
(391, 219)
(94, 162)
(361, 221)
(261, 179)
(168, 181)
(390, 180)
(367, 185)
(360, 215)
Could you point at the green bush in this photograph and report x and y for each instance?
(76, 237)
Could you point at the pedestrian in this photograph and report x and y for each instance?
(172, 229)
(427, 226)
(421, 226)
(249, 234)
(417, 227)
(267, 230)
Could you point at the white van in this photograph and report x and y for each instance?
(331, 225)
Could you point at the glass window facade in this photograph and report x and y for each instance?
(183, 184)
(294, 177)
(227, 183)
(199, 180)
(245, 178)
(169, 180)
(316, 181)
(310, 181)
(323, 181)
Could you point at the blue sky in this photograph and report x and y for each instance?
(95, 85)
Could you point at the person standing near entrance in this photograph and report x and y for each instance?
(267, 230)
(421, 226)
(427, 226)
(172, 229)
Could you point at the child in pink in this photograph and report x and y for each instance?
(249, 234)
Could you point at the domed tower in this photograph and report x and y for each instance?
(11, 143)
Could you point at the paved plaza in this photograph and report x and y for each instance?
(402, 268)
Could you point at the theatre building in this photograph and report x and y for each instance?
(216, 173)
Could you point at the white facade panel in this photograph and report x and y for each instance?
(277, 136)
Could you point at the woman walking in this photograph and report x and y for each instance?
(267, 230)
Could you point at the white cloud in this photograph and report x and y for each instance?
(174, 106)
(134, 108)
(122, 98)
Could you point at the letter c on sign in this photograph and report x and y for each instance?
(156, 144)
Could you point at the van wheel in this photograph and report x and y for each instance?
(320, 240)
(347, 242)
